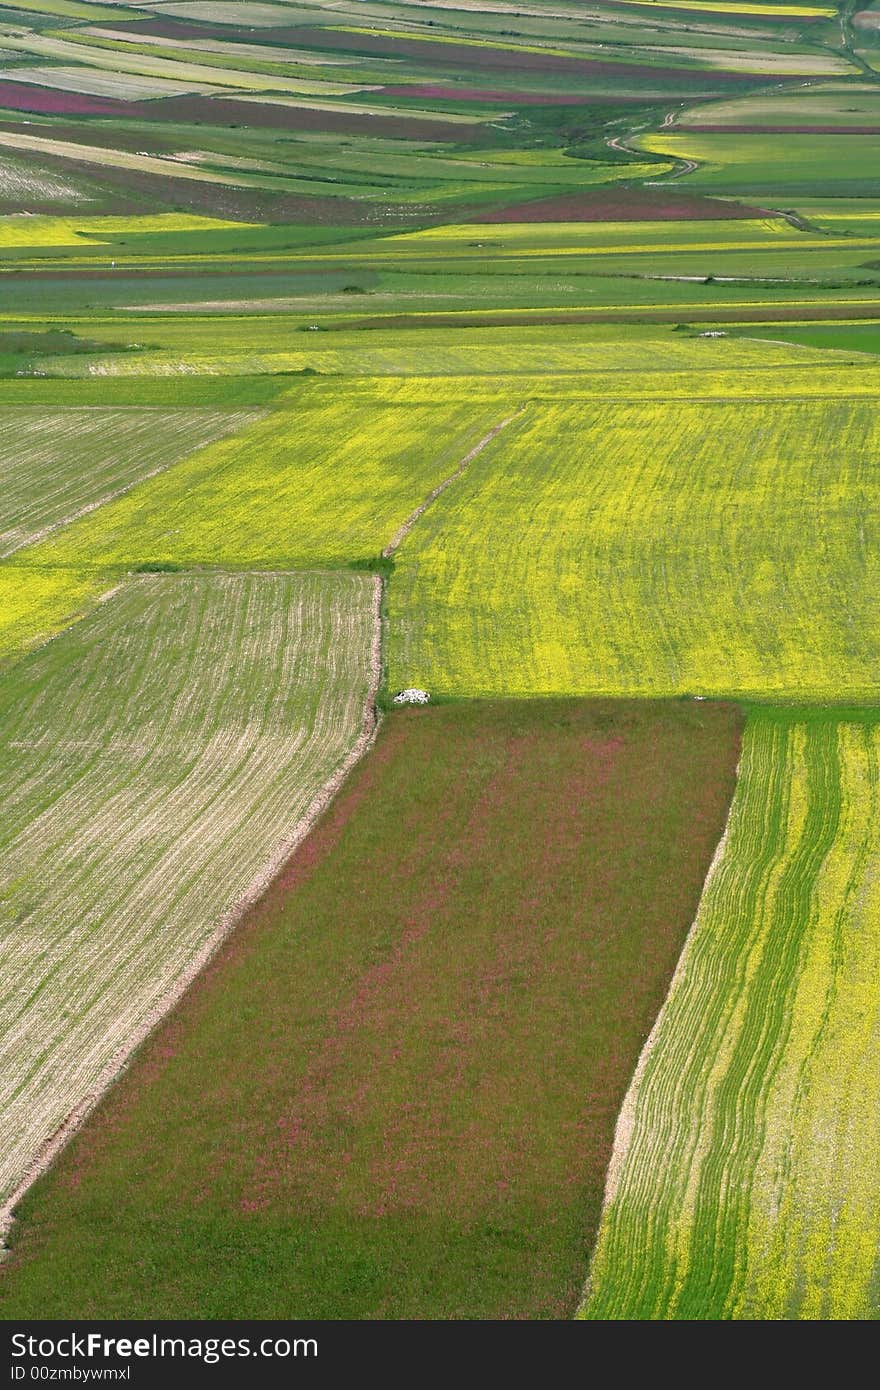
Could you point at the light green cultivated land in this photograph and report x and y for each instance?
(744, 1177)
(155, 761)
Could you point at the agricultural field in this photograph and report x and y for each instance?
(784, 164)
(35, 604)
(530, 356)
(676, 260)
(743, 1182)
(524, 355)
(846, 337)
(56, 467)
(279, 494)
(819, 110)
(665, 552)
(157, 759)
(446, 1049)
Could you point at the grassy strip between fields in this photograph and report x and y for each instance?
(393, 1092)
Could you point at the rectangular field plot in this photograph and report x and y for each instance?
(393, 1094)
(200, 346)
(744, 1178)
(661, 549)
(55, 465)
(154, 760)
(313, 486)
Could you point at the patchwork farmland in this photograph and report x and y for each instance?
(393, 1157)
(523, 357)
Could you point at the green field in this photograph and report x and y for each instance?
(850, 337)
(521, 352)
(832, 104)
(782, 165)
(743, 1182)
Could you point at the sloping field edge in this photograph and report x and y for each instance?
(118, 1064)
(625, 1125)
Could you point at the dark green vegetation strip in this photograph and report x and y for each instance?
(394, 1092)
(848, 337)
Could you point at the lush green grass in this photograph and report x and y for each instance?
(394, 1093)
(663, 552)
(849, 337)
(744, 1178)
(780, 166)
(155, 759)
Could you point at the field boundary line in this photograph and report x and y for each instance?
(90, 507)
(370, 723)
(404, 529)
(626, 1118)
(700, 400)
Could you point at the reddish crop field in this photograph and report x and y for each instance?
(269, 116)
(621, 205)
(393, 1093)
(22, 96)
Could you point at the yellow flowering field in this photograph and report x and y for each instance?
(661, 548)
(36, 603)
(27, 230)
(326, 486)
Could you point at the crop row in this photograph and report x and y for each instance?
(744, 1176)
(155, 759)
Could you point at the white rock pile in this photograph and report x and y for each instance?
(411, 697)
